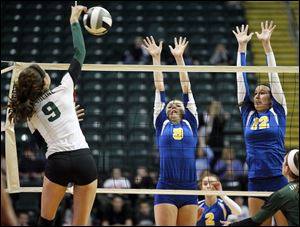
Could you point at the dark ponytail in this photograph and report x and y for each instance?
(28, 87)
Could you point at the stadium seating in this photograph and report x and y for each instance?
(119, 105)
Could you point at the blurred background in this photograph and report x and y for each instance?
(118, 122)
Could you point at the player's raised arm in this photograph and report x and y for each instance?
(242, 85)
(160, 98)
(155, 51)
(78, 43)
(177, 52)
(275, 85)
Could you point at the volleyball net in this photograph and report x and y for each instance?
(119, 106)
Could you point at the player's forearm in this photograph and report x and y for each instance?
(158, 76)
(242, 84)
(233, 206)
(267, 47)
(242, 48)
(184, 78)
(274, 81)
(78, 42)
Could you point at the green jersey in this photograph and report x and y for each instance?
(286, 200)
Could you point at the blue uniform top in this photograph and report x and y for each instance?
(212, 215)
(176, 142)
(264, 131)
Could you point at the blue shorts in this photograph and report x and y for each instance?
(271, 184)
(177, 200)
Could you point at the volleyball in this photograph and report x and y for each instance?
(97, 21)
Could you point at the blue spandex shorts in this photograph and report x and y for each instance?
(270, 184)
(177, 200)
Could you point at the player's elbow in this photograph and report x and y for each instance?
(237, 211)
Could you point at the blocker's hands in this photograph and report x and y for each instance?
(266, 31)
(241, 34)
(180, 46)
(150, 45)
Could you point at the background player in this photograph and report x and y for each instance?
(286, 199)
(213, 209)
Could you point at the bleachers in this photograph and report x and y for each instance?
(118, 122)
(286, 54)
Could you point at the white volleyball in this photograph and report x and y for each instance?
(97, 20)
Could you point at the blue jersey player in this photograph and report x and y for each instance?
(264, 122)
(214, 209)
(176, 126)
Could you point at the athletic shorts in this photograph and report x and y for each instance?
(270, 184)
(77, 167)
(177, 200)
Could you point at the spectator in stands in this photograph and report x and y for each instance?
(51, 117)
(23, 218)
(117, 180)
(117, 213)
(154, 176)
(135, 54)
(212, 122)
(31, 168)
(229, 169)
(142, 178)
(202, 162)
(264, 122)
(176, 126)
(212, 209)
(144, 215)
(221, 56)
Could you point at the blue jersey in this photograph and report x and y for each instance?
(264, 131)
(177, 142)
(212, 215)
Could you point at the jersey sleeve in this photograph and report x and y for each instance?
(74, 70)
(159, 115)
(191, 114)
(79, 52)
(279, 101)
(243, 94)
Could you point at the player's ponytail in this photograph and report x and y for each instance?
(26, 90)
